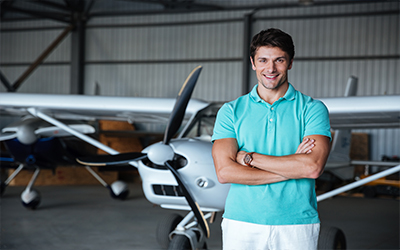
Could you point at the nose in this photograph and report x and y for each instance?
(270, 67)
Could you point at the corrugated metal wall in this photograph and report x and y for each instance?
(151, 55)
(21, 43)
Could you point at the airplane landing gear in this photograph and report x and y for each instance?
(331, 238)
(190, 239)
(119, 190)
(179, 242)
(30, 198)
(165, 227)
(176, 233)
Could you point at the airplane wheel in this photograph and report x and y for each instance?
(30, 199)
(179, 242)
(2, 187)
(165, 227)
(119, 190)
(331, 238)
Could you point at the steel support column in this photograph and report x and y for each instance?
(247, 32)
(78, 55)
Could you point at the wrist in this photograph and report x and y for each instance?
(248, 159)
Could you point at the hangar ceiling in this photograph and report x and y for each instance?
(67, 10)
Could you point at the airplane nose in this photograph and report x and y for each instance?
(160, 153)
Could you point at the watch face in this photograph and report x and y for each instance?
(247, 159)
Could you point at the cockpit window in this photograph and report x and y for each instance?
(203, 124)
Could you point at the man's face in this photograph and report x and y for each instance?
(271, 65)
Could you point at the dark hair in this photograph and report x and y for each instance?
(274, 38)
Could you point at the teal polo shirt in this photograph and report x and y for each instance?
(277, 130)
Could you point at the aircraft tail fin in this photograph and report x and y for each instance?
(351, 88)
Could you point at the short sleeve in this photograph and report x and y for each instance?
(317, 119)
(224, 123)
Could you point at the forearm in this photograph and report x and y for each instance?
(294, 166)
(239, 174)
(304, 164)
(228, 170)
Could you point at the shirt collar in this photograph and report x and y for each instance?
(289, 95)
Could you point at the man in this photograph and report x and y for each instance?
(271, 145)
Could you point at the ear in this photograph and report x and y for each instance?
(252, 63)
(291, 64)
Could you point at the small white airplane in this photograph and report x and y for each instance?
(178, 173)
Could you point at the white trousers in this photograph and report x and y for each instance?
(238, 235)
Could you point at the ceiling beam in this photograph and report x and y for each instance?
(41, 58)
(52, 5)
(41, 14)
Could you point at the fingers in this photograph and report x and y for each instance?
(305, 146)
(240, 156)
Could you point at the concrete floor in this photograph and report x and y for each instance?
(86, 218)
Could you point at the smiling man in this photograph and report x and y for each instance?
(271, 144)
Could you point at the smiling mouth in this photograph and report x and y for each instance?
(271, 77)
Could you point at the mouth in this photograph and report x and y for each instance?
(271, 77)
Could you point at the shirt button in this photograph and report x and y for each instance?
(271, 120)
(272, 108)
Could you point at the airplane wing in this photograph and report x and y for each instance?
(84, 107)
(364, 112)
(55, 108)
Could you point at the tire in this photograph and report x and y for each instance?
(165, 227)
(179, 242)
(331, 238)
(2, 187)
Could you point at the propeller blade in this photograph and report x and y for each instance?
(181, 103)
(192, 203)
(109, 160)
(5, 137)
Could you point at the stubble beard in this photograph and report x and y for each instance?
(283, 81)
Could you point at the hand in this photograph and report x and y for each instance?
(305, 146)
(240, 157)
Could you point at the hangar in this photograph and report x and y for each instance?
(146, 49)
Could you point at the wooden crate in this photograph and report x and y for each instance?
(65, 175)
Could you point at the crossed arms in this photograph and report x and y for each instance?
(308, 162)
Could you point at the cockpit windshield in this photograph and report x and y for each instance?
(202, 125)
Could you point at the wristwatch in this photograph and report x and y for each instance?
(248, 158)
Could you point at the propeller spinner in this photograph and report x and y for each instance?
(163, 153)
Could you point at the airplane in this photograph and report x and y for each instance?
(178, 173)
(33, 144)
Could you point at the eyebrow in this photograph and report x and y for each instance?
(280, 57)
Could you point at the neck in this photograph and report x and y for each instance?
(272, 95)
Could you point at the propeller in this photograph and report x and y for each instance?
(163, 153)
